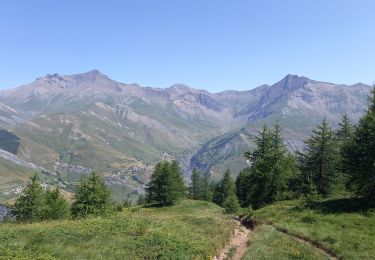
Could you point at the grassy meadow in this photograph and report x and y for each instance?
(267, 243)
(187, 230)
(343, 225)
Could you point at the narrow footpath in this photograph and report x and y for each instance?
(236, 247)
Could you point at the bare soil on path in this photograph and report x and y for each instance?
(236, 247)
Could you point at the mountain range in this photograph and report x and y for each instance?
(66, 126)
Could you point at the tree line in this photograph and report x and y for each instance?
(167, 187)
(332, 160)
(342, 159)
(37, 204)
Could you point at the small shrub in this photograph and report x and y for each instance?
(142, 200)
(135, 209)
(127, 203)
(141, 228)
(117, 206)
(308, 201)
(309, 219)
(249, 213)
(329, 240)
(231, 204)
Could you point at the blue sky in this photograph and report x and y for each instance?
(214, 45)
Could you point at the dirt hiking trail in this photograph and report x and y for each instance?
(237, 245)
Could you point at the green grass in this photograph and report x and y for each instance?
(184, 231)
(343, 225)
(267, 243)
(11, 176)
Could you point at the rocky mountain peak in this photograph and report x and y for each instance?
(180, 88)
(51, 77)
(90, 75)
(292, 82)
(95, 73)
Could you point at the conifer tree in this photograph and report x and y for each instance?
(283, 167)
(207, 187)
(92, 197)
(359, 154)
(344, 135)
(56, 207)
(225, 188)
(243, 187)
(166, 185)
(345, 130)
(271, 168)
(29, 206)
(262, 153)
(195, 187)
(318, 163)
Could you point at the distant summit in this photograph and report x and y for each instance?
(73, 124)
(292, 82)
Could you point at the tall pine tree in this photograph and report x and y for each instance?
(195, 187)
(207, 187)
(345, 131)
(359, 154)
(344, 135)
(29, 206)
(56, 206)
(92, 197)
(224, 188)
(243, 187)
(166, 185)
(318, 163)
(271, 168)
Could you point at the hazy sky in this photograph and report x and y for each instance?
(213, 45)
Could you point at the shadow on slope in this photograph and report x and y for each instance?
(343, 205)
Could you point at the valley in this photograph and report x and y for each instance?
(66, 126)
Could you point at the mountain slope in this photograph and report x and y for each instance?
(73, 124)
(298, 103)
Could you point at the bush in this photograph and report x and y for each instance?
(309, 219)
(127, 203)
(231, 204)
(118, 207)
(141, 201)
(248, 213)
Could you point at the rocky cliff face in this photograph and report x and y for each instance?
(4, 211)
(113, 127)
(9, 141)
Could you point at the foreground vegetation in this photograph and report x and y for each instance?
(344, 225)
(186, 230)
(267, 243)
